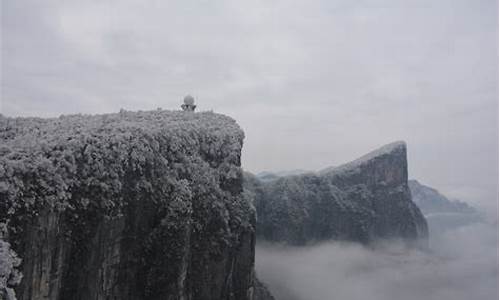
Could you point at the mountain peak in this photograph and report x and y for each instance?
(395, 150)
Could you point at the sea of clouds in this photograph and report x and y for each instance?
(461, 264)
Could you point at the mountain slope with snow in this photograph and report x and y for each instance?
(364, 200)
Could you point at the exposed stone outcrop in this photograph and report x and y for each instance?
(364, 200)
(144, 205)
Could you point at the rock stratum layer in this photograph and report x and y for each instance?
(363, 201)
(144, 205)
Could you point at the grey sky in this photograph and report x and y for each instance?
(312, 83)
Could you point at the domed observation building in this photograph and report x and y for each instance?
(188, 103)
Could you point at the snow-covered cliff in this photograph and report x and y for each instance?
(364, 200)
(133, 205)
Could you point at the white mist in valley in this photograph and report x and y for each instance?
(461, 265)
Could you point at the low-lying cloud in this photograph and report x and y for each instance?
(462, 265)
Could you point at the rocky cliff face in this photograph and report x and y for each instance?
(364, 200)
(144, 205)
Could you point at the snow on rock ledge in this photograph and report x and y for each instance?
(133, 205)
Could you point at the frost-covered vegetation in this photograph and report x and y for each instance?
(364, 200)
(9, 274)
(184, 168)
(42, 161)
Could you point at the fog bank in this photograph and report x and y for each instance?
(462, 265)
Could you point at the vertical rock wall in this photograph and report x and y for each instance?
(144, 205)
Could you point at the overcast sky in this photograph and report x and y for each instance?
(312, 83)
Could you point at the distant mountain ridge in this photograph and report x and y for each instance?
(364, 200)
(431, 200)
(442, 213)
(267, 175)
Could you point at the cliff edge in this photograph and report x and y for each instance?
(133, 205)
